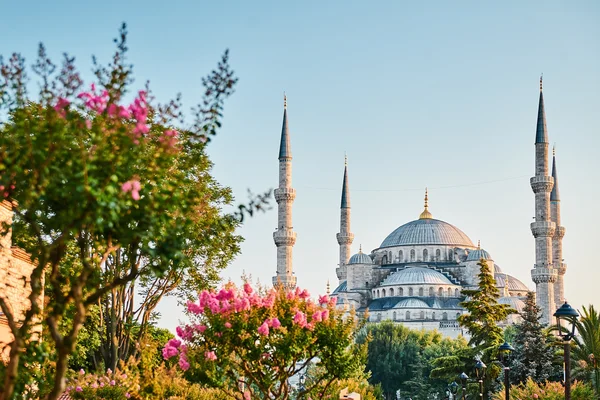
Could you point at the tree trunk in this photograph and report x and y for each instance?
(12, 370)
(59, 375)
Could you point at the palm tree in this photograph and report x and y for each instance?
(586, 349)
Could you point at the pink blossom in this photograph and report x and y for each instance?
(194, 308)
(61, 105)
(269, 301)
(332, 301)
(317, 316)
(132, 186)
(169, 351)
(78, 389)
(108, 371)
(101, 384)
(200, 328)
(275, 323)
(174, 343)
(324, 314)
(169, 138)
(247, 395)
(248, 288)
(304, 294)
(227, 325)
(183, 363)
(124, 376)
(210, 355)
(300, 319)
(113, 383)
(127, 395)
(263, 329)
(112, 110)
(88, 124)
(81, 372)
(94, 385)
(323, 299)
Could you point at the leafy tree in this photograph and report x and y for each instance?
(357, 383)
(534, 351)
(248, 343)
(104, 190)
(546, 391)
(401, 358)
(586, 349)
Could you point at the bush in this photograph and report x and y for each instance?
(547, 391)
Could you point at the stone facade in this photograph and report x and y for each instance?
(15, 272)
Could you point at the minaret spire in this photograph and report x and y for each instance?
(345, 236)
(544, 274)
(559, 233)
(284, 236)
(426, 214)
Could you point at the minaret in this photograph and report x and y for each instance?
(559, 233)
(284, 236)
(543, 274)
(345, 237)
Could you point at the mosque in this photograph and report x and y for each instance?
(416, 276)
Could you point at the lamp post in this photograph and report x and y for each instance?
(569, 315)
(505, 350)
(453, 389)
(463, 379)
(480, 372)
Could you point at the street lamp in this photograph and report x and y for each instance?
(453, 389)
(569, 315)
(463, 379)
(480, 373)
(505, 350)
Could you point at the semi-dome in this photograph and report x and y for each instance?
(411, 303)
(513, 283)
(360, 258)
(416, 275)
(514, 302)
(427, 231)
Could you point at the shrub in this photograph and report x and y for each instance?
(547, 391)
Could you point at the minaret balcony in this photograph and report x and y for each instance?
(345, 238)
(544, 275)
(284, 194)
(561, 268)
(543, 228)
(284, 237)
(560, 232)
(542, 184)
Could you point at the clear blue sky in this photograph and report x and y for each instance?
(442, 95)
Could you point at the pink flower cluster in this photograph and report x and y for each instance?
(132, 186)
(169, 138)
(61, 105)
(96, 102)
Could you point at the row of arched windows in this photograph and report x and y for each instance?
(391, 292)
(412, 257)
(419, 315)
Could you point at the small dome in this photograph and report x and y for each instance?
(360, 258)
(411, 303)
(417, 275)
(341, 288)
(497, 269)
(513, 283)
(476, 255)
(514, 303)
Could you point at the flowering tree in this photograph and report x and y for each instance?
(249, 343)
(105, 190)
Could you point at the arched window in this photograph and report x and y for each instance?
(384, 259)
(400, 292)
(378, 293)
(394, 315)
(431, 292)
(451, 255)
(390, 259)
(383, 292)
(421, 292)
(440, 293)
(456, 293)
(412, 255)
(378, 316)
(449, 292)
(422, 315)
(400, 256)
(408, 315)
(433, 315)
(391, 292)
(410, 291)
(425, 254)
(445, 316)
(438, 255)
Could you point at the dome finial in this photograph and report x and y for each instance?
(284, 101)
(478, 244)
(328, 287)
(345, 159)
(360, 248)
(554, 150)
(426, 214)
(541, 79)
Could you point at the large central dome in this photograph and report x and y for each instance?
(427, 231)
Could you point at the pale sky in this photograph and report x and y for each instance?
(442, 95)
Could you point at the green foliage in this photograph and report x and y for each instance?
(168, 383)
(401, 358)
(586, 349)
(546, 391)
(534, 355)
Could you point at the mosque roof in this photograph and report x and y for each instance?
(478, 254)
(513, 283)
(427, 231)
(341, 288)
(411, 302)
(360, 258)
(416, 275)
(514, 303)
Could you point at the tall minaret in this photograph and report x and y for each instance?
(559, 233)
(284, 236)
(345, 237)
(543, 274)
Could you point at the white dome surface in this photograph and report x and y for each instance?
(427, 231)
(416, 275)
(411, 303)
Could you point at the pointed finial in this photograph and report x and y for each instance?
(541, 79)
(554, 150)
(478, 244)
(426, 214)
(360, 248)
(284, 101)
(328, 287)
(345, 159)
